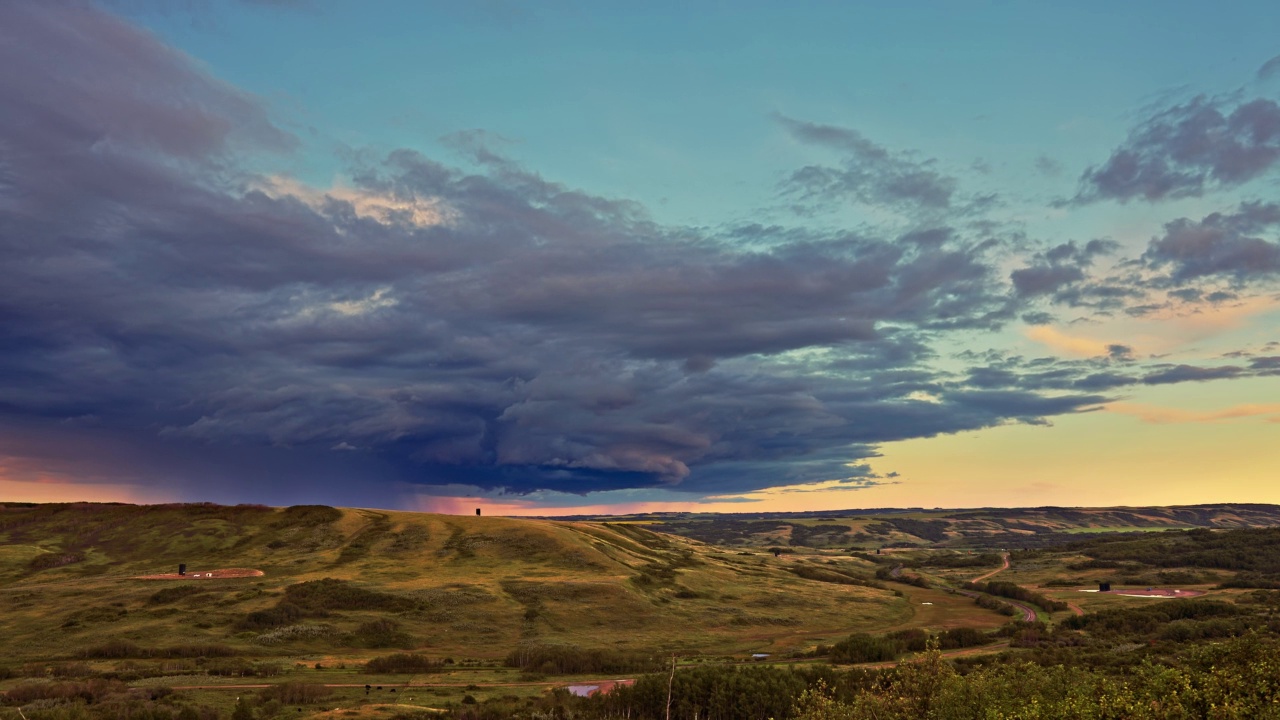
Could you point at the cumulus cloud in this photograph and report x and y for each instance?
(1058, 267)
(1189, 373)
(869, 173)
(1047, 166)
(1220, 244)
(1157, 415)
(1269, 69)
(181, 320)
(1187, 149)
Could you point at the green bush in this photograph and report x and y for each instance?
(402, 664)
(296, 693)
(318, 596)
(569, 660)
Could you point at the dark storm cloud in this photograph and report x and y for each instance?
(170, 316)
(1189, 373)
(869, 173)
(1044, 279)
(1266, 366)
(1058, 267)
(1184, 150)
(1269, 69)
(1220, 244)
(1047, 166)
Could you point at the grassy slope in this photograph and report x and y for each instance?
(480, 586)
(984, 527)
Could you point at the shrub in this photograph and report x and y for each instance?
(402, 664)
(53, 560)
(1017, 592)
(292, 633)
(296, 693)
(990, 603)
(177, 592)
(307, 516)
(88, 691)
(962, 638)
(379, 634)
(568, 659)
(861, 648)
(120, 649)
(317, 596)
(283, 614)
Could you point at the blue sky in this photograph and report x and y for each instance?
(566, 256)
(675, 102)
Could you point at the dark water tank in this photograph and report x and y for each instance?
(1104, 587)
(182, 568)
(477, 512)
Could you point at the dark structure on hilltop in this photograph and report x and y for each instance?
(477, 512)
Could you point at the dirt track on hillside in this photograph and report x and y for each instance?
(1002, 568)
(205, 574)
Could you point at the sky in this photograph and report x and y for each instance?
(569, 257)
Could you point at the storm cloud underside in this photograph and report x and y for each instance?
(169, 306)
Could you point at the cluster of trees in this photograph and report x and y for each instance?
(403, 664)
(832, 574)
(1145, 620)
(571, 660)
(865, 648)
(954, 560)
(729, 531)
(320, 596)
(1014, 591)
(100, 700)
(931, 530)
(990, 603)
(1237, 679)
(118, 649)
(1254, 550)
(896, 574)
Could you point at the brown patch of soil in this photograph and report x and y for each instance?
(1155, 592)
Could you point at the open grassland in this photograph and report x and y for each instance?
(990, 528)
(452, 586)
(459, 612)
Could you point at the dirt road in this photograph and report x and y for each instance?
(1028, 612)
(258, 686)
(1002, 568)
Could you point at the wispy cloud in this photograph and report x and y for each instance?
(1166, 415)
(1187, 149)
(418, 324)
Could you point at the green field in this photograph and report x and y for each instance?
(598, 599)
(460, 589)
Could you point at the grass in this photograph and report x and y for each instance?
(1123, 529)
(453, 586)
(342, 586)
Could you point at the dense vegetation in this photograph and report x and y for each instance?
(1255, 552)
(565, 660)
(1015, 592)
(527, 605)
(867, 648)
(1236, 679)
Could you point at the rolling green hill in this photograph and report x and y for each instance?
(446, 608)
(448, 585)
(979, 528)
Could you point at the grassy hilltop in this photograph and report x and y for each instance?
(479, 616)
(454, 585)
(974, 528)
